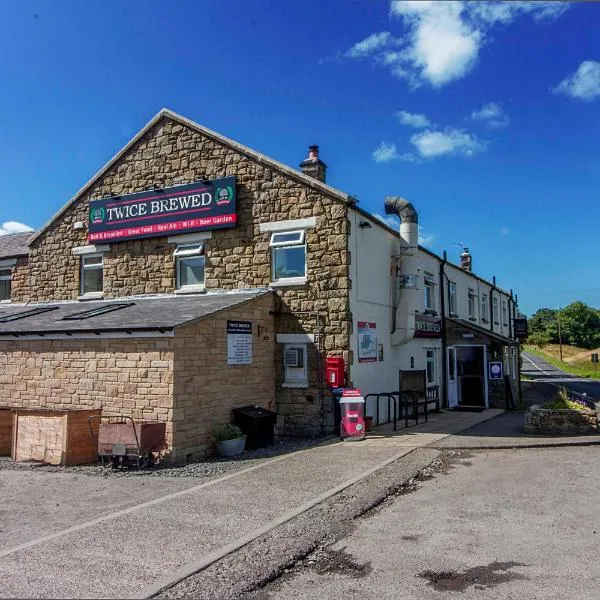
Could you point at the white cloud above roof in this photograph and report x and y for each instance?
(9, 227)
(583, 84)
(439, 41)
(432, 144)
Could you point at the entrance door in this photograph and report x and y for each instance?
(452, 382)
(470, 371)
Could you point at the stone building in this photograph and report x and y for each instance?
(129, 298)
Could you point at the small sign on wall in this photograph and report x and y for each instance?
(495, 370)
(367, 342)
(239, 343)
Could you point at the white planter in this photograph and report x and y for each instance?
(231, 447)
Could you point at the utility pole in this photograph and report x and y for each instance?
(559, 336)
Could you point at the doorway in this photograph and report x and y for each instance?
(467, 382)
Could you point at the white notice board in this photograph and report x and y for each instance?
(239, 343)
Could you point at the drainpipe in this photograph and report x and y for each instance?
(444, 395)
(492, 303)
(511, 315)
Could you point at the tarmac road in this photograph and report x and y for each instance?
(500, 525)
(540, 370)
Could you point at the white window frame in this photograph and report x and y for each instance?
(429, 290)
(452, 308)
(183, 251)
(495, 317)
(484, 308)
(275, 245)
(83, 267)
(504, 313)
(472, 303)
(9, 279)
(296, 377)
(433, 360)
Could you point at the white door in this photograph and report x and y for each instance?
(452, 386)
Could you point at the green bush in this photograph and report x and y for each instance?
(227, 432)
(562, 402)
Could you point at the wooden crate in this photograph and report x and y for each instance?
(56, 437)
(6, 423)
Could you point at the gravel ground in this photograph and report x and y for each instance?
(211, 467)
(284, 548)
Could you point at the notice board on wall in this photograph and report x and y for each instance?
(367, 342)
(239, 343)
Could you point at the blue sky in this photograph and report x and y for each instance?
(484, 115)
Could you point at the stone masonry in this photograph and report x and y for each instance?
(182, 380)
(171, 153)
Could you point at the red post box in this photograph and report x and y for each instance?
(334, 371)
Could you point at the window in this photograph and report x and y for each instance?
(495, 310)
(27, 313)
(504, 314)
(472, 303)
(429, 292)
(5, 279)
(189, 265)
(484, 308)
(295, 365)
(452, 298)
(92, 274)
(430, 366)
(288, 255)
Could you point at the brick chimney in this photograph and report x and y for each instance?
(466, 260)
(313, 166)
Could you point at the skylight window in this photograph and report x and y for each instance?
(95, 312)
(27, 313)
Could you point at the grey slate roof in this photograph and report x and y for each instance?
(15, 244)
(146, 314)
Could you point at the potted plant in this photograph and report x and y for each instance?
(230, 440)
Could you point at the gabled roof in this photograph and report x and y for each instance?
(130, 314)
(15, 244)
(253, 154)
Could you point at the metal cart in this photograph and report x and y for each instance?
(123, 442)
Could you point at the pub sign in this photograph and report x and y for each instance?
(180, 209)
(520, 328)
(427, 327)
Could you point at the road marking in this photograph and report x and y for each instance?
(538, 368)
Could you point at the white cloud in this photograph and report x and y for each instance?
(9, 227)
(504, 231)
(440, 40)
(431, 144)
(584, 84)
(385, 153)
(388, 152)
(492, 114)
(370, 45)
(416, 120)
(425, 238)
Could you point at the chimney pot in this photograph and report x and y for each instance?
(313, 166)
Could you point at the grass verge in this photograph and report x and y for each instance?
(589, 371)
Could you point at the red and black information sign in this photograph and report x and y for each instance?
(520, 328)
(427, 327)
(179, 209)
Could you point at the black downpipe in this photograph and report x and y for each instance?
(511, 315)
(492, 303)
(443, 327)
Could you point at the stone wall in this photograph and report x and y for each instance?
(560, 422)
(170, 154)
(18, 285)
(122, 377)
(207, 388)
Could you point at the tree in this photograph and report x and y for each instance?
(580, 325)
(543, 322)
